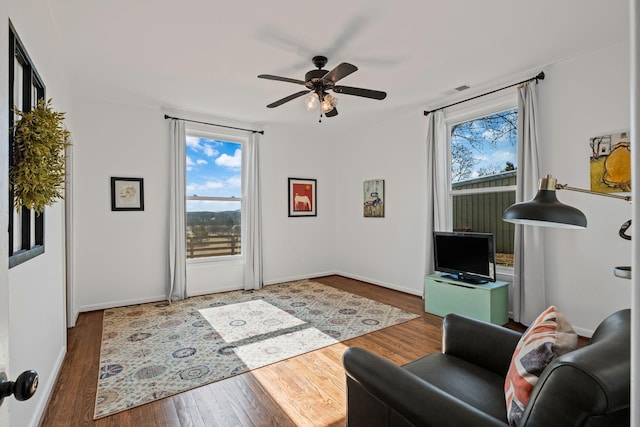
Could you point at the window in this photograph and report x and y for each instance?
(26, 228)
(483, 177)
(214, 192)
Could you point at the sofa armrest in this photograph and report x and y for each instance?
(416, 400)
(484, 344)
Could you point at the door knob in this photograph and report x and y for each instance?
(23, 388)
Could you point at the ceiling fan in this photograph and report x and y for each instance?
(318, 82)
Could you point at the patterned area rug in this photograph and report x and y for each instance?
(156, 350)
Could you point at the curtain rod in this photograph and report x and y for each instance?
(261, 132)
(540, 76)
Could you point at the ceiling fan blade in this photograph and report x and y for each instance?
(340, 72)
(365, 93)
(331, 113)
(281, 79)
(288, 98)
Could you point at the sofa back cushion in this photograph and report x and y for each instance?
(548, 337)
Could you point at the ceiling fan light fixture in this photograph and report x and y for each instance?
(318, 82)
(312, 101)
(328, 103)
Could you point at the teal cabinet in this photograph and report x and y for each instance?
(488, 302)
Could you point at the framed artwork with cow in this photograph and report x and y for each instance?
(302, 197)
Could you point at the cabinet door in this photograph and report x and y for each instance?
(442, 298)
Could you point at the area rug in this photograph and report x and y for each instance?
(156, 350)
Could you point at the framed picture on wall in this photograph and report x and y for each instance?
(374, 198)
(302, 197)
(127, 194)
(610, 163)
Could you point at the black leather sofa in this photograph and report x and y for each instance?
(464, 385)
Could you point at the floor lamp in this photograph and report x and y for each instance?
(544, 210)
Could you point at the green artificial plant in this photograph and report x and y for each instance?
(37, 172)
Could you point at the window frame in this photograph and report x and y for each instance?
(205, 131)
(32, 90)
(491, 104)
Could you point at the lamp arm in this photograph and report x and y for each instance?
(597, 193)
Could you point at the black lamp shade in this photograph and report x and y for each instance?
(545, 211)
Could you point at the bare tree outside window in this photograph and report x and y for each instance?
(484, 156)
(484, 146)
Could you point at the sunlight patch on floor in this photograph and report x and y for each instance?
(262, 333)
(235, 322)
(314, 393)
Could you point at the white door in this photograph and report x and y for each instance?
(4, 319)
(4, 203)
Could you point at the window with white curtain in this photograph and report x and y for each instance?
(483, 149)
(214, 217)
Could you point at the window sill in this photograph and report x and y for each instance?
(504, 272)
(25, 255)
(212, 260)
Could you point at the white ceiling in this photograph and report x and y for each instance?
(204, 56)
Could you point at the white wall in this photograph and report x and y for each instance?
(4, 208)
(298, 247)
(121, 256)
(37, 321)
(581, 98)
(389, 251)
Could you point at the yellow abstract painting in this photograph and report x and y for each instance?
(610, 164)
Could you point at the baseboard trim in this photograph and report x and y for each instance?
(587, 333)
(121, 303)
(382, 283)
(301, 277)
(583, 332)
(217, 291)
(47, 388)
(73, 318)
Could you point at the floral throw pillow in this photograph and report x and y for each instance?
(548, 337)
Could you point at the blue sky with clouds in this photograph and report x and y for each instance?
(488, 156)
(213, 169)
(497, 156)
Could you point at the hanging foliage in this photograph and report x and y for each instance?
(37, 172)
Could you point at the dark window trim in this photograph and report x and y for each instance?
(31, 80)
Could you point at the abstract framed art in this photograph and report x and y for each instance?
(610, 163)
(302, 197)
(127, 194)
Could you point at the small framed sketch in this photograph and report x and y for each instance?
(374, 198)
(127, 194)
(302, 197)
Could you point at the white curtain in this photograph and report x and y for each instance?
(528, 290)
(253, 237)
(177, 208)
(438, 206)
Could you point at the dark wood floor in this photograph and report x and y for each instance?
(307, 390)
